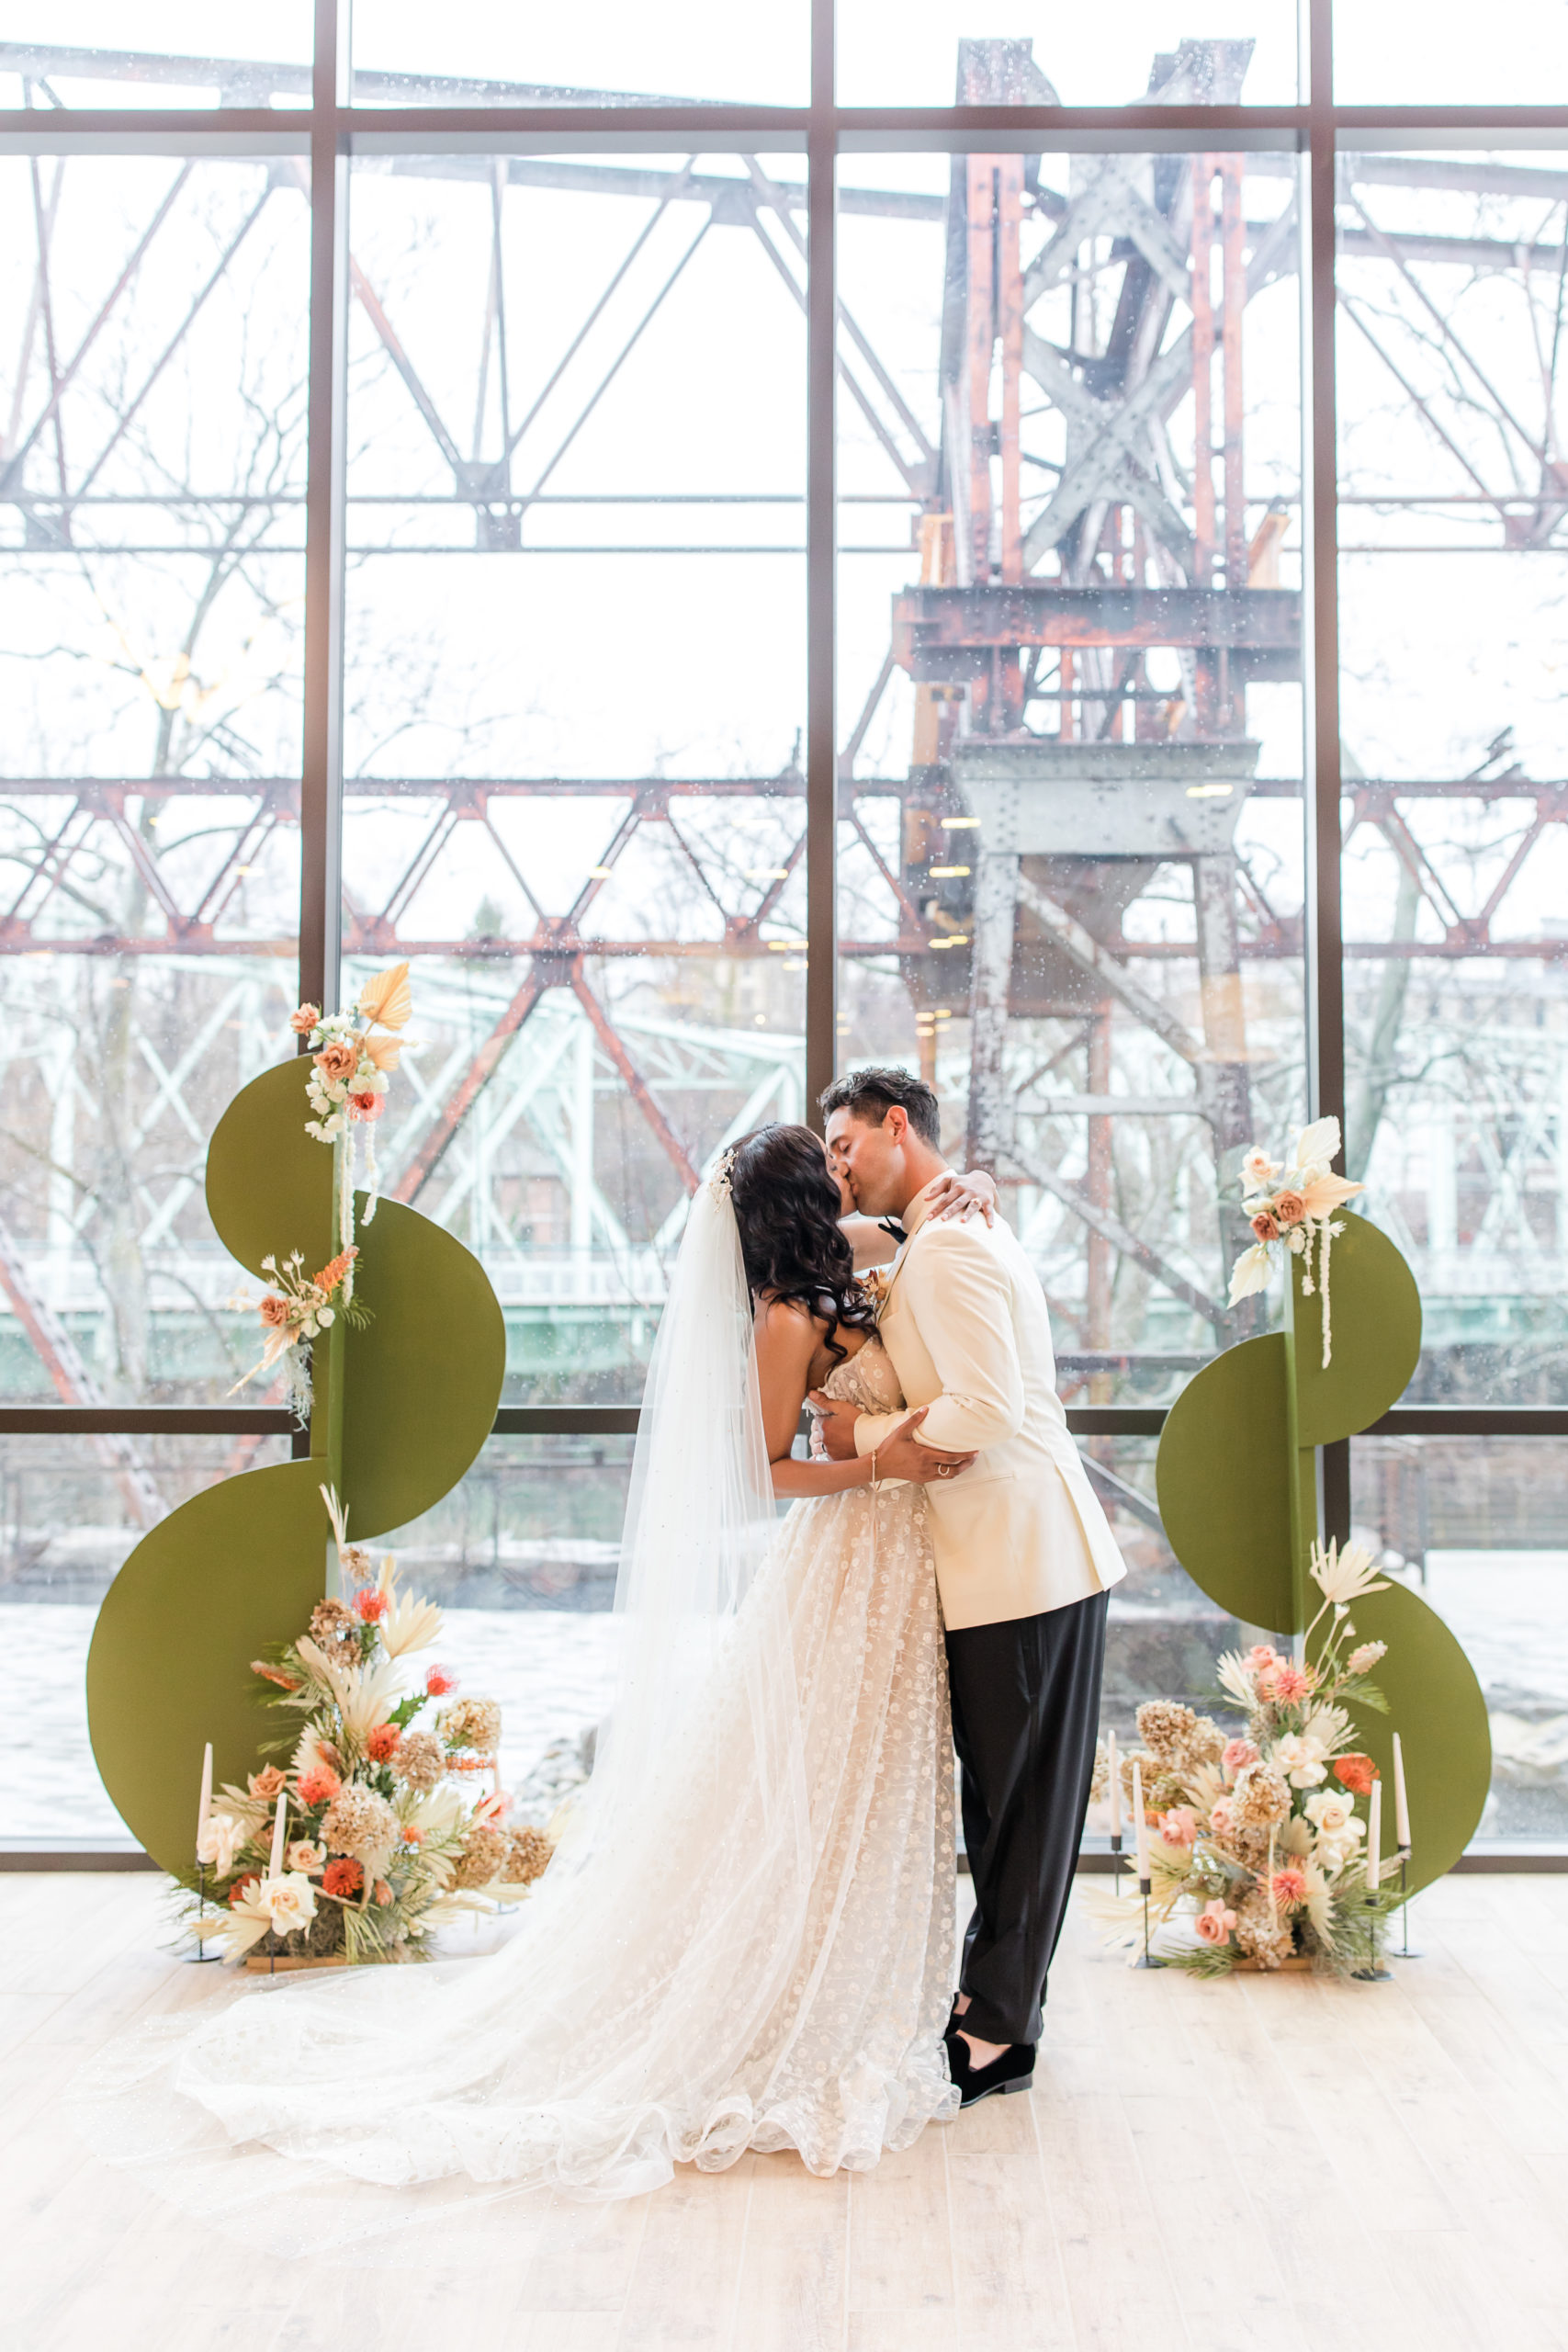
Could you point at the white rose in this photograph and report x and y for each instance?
(219, 1842)
(1300, 1758)
(305, 1857)
(290, 1901)
(1329, 1813)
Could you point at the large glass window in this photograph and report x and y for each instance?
(575, 698)
(1071, 672)
(1453, 582)
(152, 310)
(701, 725)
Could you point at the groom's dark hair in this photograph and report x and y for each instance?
(871, 1093)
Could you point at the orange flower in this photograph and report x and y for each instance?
(383, 1893)
(337, 1060)
(1289, 1207)
(268, 1783)
(382, 1743)
(370, 1603)
(285, 1683)
(342, 1878)
(304, 1019)
(332, 1273)
(1356, 1774)
(367, 1106)
(437, 1683)
(1288, 1887)
(318, 1787)
(242, 1886)
(413, 1836)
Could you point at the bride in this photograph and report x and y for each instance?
(746, 1937)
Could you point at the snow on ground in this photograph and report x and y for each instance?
(550, 1670)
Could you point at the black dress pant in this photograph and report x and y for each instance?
(1025, 1712)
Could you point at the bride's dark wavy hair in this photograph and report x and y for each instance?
(787, 1207)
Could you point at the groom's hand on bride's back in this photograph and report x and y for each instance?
(835, 1425)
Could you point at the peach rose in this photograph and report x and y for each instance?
(304, 1019)
(1265, 1228)
(1215, 1923)
(337, 1062)
(1236, 1756)
(1222, 1820)
(273, 1310)
(267, 1782)
(1289, 1207)
(304, 1856)
(1180, 1825)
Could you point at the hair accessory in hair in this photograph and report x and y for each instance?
(719, 1182)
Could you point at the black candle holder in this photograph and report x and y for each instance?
(1116, 1861)
(201, 1957)
(1407, 1951)
(1145, 1888)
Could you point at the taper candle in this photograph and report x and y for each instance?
(279, 1829)
(203, 1815)
(1401, 1801)
(1140, 1827)
(1114, 1783)
(1374, 1838)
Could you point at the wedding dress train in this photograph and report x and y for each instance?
(754, 1950)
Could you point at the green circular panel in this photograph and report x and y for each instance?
(1440, 1712)
(236, 1571)
(1375, 1327)
(269, 1185)
(1223, 1478)
(422, 1380)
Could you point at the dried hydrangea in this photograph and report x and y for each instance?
(1206, 1742)
(1260, 1932)
(333, 1623)
(481, 1857)
(472, 1722)
(1167, 1729)
(420, 1762)
(1260, 1796)
(527, 1856)
(359, 1822)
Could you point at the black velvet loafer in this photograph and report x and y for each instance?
(1013, 2071)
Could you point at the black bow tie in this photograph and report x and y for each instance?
(891, 1225)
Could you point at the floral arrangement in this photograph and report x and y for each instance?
(352, 1055)
(1254, 1837)
(370, 1837)
(1290, 1207)
(294, 1311)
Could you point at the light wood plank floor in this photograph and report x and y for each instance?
(1262, 2162)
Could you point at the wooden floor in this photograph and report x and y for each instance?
(1258, 2164)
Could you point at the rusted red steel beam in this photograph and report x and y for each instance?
(931, 622)
(453, 1111)
(633, 1080)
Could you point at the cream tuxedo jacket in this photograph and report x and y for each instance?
(964, 1321)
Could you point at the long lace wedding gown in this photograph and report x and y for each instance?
(689, 1988)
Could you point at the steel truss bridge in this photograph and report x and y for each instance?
(1127, 590)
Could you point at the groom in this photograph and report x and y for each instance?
(1024, 1558)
